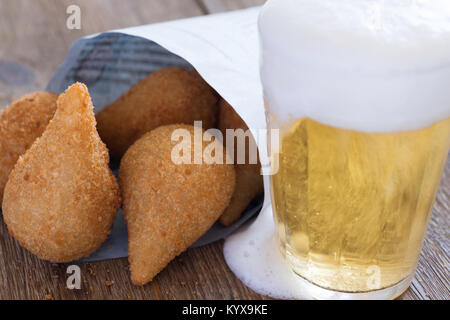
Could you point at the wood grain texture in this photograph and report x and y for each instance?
(35, 39)
(34, 42)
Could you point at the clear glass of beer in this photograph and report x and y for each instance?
(360, 91)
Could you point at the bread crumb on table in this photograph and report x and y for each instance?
(109, 283)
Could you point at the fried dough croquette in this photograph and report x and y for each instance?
(21, 124)
(249, 181)
(169, 96)
(168, 206)
(61, 197)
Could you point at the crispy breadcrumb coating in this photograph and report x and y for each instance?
(168, 206)
(249, 181)
(21, 124)
(61, 197)
(168, 96)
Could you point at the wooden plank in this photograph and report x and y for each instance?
(214, 6)
(35, 38)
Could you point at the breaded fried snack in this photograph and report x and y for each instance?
(168, 96)
(21, 124)
(168, 206)
(249, 181)
(61, 197)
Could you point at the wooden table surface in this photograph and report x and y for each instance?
(33, 42)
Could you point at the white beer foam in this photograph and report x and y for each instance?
(367, 65)
(253, 255)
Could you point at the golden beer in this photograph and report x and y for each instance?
(359, 92)
(352, 207)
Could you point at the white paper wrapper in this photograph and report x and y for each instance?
(223, 48)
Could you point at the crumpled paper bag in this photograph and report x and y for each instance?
(223, 48)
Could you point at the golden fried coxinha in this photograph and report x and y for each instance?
(61, 197)
(168, 96)
(249, 181)
(168, 206)
(21, 124)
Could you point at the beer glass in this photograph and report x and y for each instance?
(359, 92)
